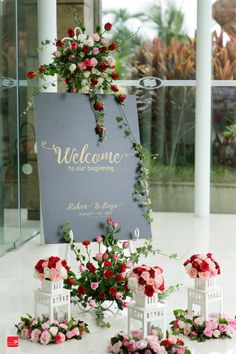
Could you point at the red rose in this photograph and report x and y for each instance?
(112, 46)
(152, 273)
(204, 266)
(65, 265)
(101, 295)
(108, 274)
(82, 290)
(149, 291)
(115, 88)
(108, 26)
(67, 80)
(138, 270)
(98, 106)
(91, 267)
(103, 66)
(217, 265)
(86, 243)
(193, 257)
(52, 261)
(109, 220)
(166, 343)
(114, 76)
(85, 49)
(99, 130)
(31, 75)
(74, 45)
(141, 281)
(59, 43)
(126, 289)
(70, 32)
(180, 342)
(71, 281)
(105, 255)
(162, 287)
(121, 97)
(113, 291)
(122, 268)
(94, 81)
(103, 49)
(195, 265)
(39, 267)
(209, 255)
(41, 69)
(107, 264)
(73, 90)
(119, 278)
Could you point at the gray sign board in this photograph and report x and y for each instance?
(81, 180)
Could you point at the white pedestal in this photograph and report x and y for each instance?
(204, 298)
(52, 301)
(147, 316)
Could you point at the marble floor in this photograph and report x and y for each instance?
(180, 233)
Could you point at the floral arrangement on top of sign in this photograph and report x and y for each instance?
(104, 276)
(202, 266)
(124, 344)
(40, 330)
(86, 65)
(197, 328)
(51, 268)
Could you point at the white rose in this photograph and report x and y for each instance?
(199, 321)
(181, 324)
(86, 74)
(82, 37)
(85, 89)
(82, 55)
(63, 272)
(72, 68)
(100, 81)
(133, 283)
(84, 82)
(89, 42)
(46, 272)
(216, 333)
(53, 330)
(81, 46)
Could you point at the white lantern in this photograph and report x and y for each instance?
(149, 311)
(203, 294)
(54, 299)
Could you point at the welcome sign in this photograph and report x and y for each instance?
(81, 180)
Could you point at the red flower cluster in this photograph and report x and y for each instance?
(147, 279)
(202, 266)
(52, 268)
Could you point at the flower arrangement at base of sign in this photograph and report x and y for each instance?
(85, 64)
(124, 344)
(203, 266)
(197, 328)
(103, 277)
(39, 330)
(52, 268)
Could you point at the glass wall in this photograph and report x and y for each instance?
(159, 40)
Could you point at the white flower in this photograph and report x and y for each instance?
(84, 82)
(82, 55)
(86, 74)
(230, 332)
(89, 42)
(133, 283)
(82, 37)
(53, 330)
(199, 321)
(47, 272)
(72, 68)
(181, 324)
(100, 81)
(85, 89)
(216, 333)
(63, 272)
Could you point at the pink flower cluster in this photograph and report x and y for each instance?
(146, 279)
(202, 266)
(39, 330)
(151, 344)
(198, 328)
(52, 268)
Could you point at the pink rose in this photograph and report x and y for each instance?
(91, 303)
(232, 323)
(129, 264)
(81, 268)
(204, 275)
(25, 333)
(87, 62)
(94, 285)
(95, 50)
(99, 256)
(99, 239)
(54, 274)
(132, 346)
(172, 339)
(74, 45)
(192, 273)
(76, 331)
(35, 334)
(59, 338)
(141, 344)
(104, 40)
(187, 329)
(45, 264)
(45, 338)
(114, 224)
(125, 244)
(70, 334)
(41, 276)
(116, 348)
(136, 334)
(223, 327)
(105, 255)
(71, 56)
(119, 295)
(208, 332)
(57, 53)
(96, 37)
(180, 350)
(125, 304)
(145, 275)
(93, 62)
(116, 257)
(81, 66)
